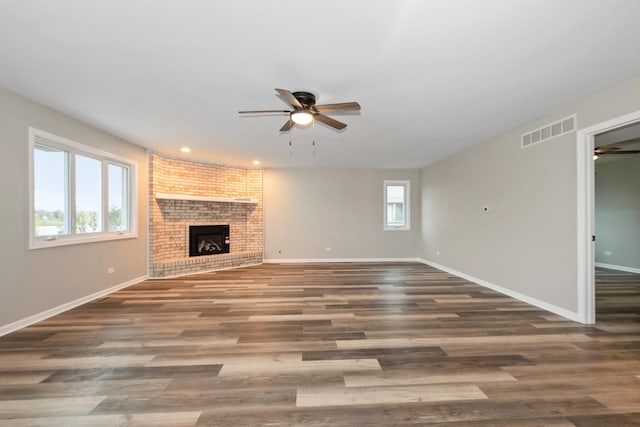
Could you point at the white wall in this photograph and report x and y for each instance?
(527, 243)
(33, 281)
(308, 210)
(617, 212)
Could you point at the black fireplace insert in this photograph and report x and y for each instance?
(208, 239)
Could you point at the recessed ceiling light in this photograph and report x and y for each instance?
(256, 162)
(185, 149)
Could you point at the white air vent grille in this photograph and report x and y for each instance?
(553, 130)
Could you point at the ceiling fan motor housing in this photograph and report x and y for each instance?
(307, 99)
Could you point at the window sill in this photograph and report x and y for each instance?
(397, 229)
(41, 243)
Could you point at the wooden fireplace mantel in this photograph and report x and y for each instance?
(165, 196)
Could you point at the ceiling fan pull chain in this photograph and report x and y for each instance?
(313, 140)
(290, 146)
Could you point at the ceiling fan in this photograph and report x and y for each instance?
(613, 150)
(306, 111)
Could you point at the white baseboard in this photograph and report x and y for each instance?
(301, 260)
(618, 267)
(19, 324)
(513, 294)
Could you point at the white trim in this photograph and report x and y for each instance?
(84, 149)
(31, 181)
(618, 267)
(513, 294)
(88, 238)
(300, 260)
(586, 212)
(19, 324)
(585, 228)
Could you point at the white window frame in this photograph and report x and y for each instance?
(407, 202)
(40, 137)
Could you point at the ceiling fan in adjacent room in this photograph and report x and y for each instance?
(305, 110)
(602, 151)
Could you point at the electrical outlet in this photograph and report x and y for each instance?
(608, 253)
(328, 249)
(111, 270)
(438, 253)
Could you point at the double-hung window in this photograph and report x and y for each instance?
(78, 193)
(396, 205)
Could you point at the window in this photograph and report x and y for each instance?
(50, 179)
(78, 193)
(118, 198)
(396, 205)
(88, 194)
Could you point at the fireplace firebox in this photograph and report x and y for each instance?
(208, 239)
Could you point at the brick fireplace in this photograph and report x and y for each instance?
(184, 193)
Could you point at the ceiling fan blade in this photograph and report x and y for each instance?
(605, 153)
(339, 106)
(263, 111)
(607, 149)
(288, 96)
(287, 126)
(329, 121)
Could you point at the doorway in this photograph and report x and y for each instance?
(586, 211)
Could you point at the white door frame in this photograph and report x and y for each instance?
(586, 213)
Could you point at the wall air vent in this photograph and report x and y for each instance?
(550, 131)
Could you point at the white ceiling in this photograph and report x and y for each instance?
(433, 77)
(625, 137)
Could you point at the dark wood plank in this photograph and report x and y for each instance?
(377, 344)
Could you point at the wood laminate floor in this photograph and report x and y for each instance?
(349, 344)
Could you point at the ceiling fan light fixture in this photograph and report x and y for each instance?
(301, 118)
(305, 111)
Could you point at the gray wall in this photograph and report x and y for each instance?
(617, 204)
(527, 243)
(308, 210)
(34, 281)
